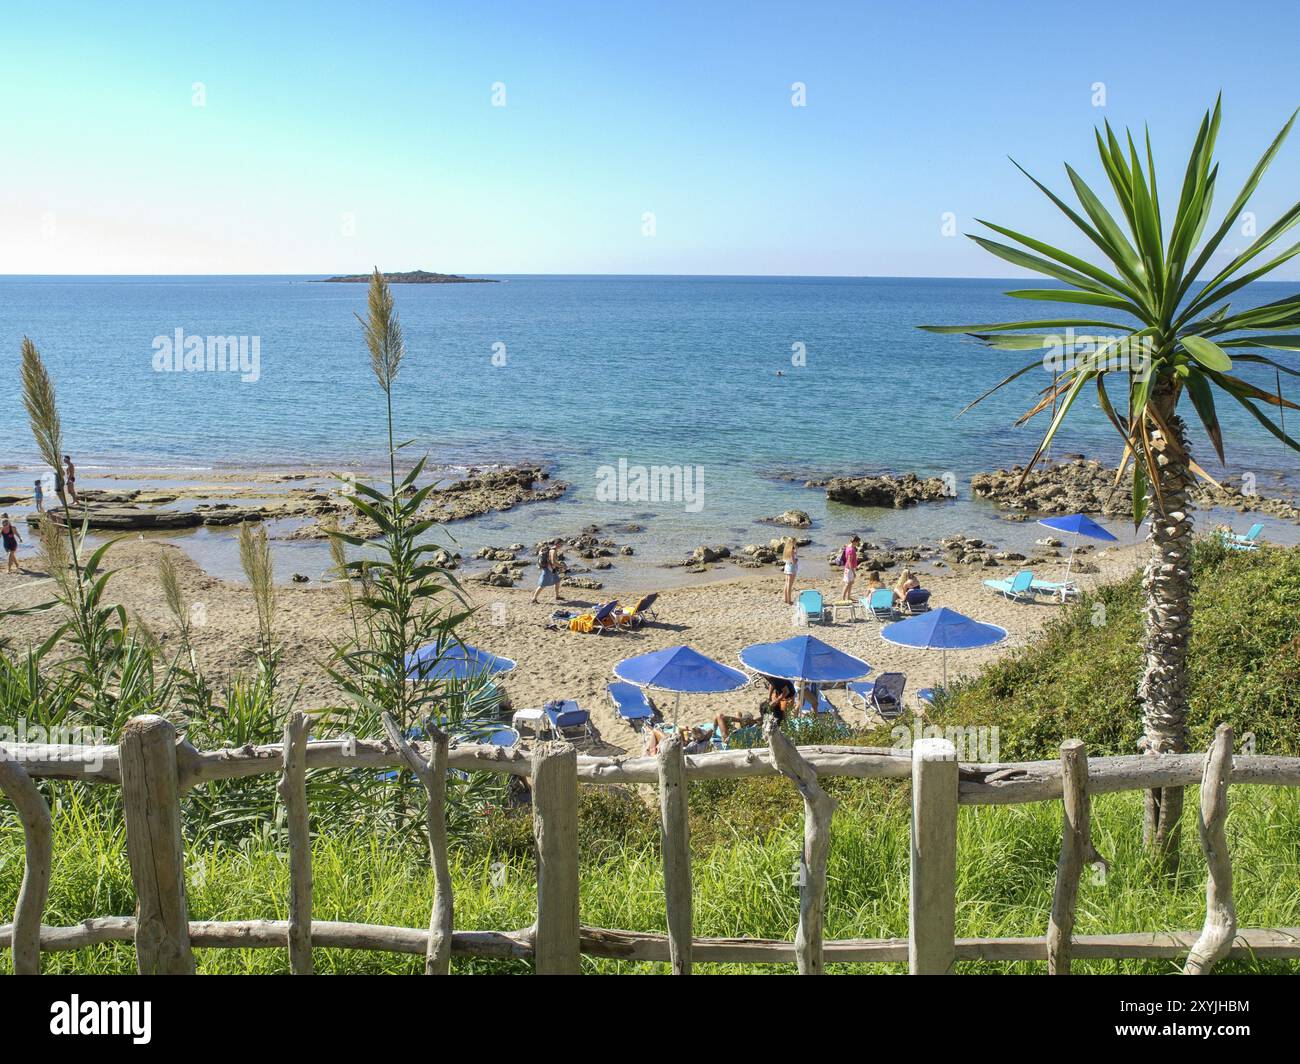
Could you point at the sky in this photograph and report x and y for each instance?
(609, 137)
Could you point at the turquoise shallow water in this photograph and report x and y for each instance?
(573, 372)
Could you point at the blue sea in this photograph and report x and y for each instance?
(746, 381)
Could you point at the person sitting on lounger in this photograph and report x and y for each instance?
(696, 740)
(726, 723)
(874, 582)
(906, 581)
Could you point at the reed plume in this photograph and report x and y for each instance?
(38, 397)
(383, 333)
(255, 560)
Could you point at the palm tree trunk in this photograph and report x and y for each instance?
(1168, 624)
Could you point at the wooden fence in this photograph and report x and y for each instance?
(154, 770)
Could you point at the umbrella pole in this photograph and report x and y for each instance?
(676, 708)
(945, 668)
(1074, 545)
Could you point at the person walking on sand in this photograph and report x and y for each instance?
(849, 559)
(11, 538)
(790, 556)
(550, 559)
(70, 478)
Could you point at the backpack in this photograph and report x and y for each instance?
(842, 558)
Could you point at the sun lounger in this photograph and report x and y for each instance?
(631, 703)
(917, 600)
(879, 605)
(812, 605)
(1247, 542)
(1020, 588)
(568, 722)
(884, 694)
(640, 612)
(506, 737)
(1064, 589)
(603, 619)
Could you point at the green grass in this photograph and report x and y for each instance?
(1077, 680)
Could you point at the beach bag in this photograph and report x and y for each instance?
(842, 558)
(798, 618)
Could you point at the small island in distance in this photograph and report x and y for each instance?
(411, 277)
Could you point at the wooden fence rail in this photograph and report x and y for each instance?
(154, 770)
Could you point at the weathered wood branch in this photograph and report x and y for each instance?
(1271, 943)
(818, 811)
(293, 793)
(154, 846)
(1076, 851)
(676, 825)
(38, 842)
(433, 775)
(1220, 911)
(1001, 784)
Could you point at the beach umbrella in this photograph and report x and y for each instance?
(804, 659)
(680, 670)
(943, 629)
(1077, 525)
(454, 661)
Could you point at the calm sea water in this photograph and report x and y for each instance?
(576, 373)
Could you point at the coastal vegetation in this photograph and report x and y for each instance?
(1181, 341)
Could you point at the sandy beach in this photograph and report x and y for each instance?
(717, 617)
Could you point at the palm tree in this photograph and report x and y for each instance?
(1176, 344)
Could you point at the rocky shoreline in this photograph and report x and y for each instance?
(142, 510)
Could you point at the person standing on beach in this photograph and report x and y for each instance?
(11, 537)
(790, 556)
(70, 478)
(849, 559)
(549, 560)
(39, 492)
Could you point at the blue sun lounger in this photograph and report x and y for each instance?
(879, 605)
(631, 703)
(1247, 542)
(1020, 588)
(884, 694)
(812, 605)
(568, 721)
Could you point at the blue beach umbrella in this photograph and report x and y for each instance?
(804, 658)
(943, 629)
(454, 662)
(680, 670)
(1077, 525)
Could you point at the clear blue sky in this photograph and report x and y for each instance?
(379, 116)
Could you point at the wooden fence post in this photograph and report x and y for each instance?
(818, 810)
(34, 815)
(931, 943)
(673, 813)
(293, 792)
(154, 846)
(433, 774)
(557, 939)
(1220, 912)
(1076, 851)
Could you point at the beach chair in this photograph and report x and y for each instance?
(504, 737)
(1063, 589)
(1247, 542)
(568, 722)
(1020, 588)
(632, 704)
(917, 600)
(641, 611)
(879, 605)
(750, 735)
(884, 694)
(812, 605)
